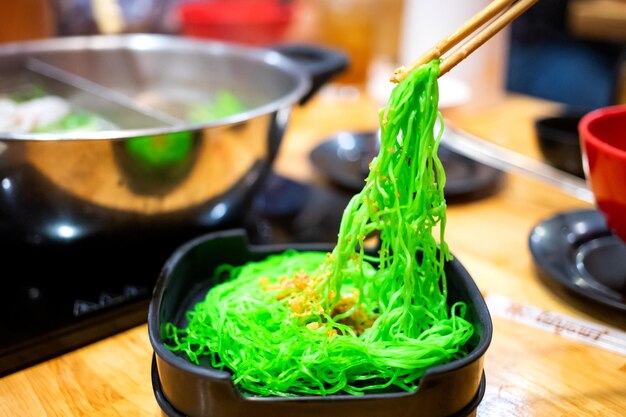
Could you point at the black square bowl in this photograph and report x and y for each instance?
(185, 389)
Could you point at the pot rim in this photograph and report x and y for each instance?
(144, 42)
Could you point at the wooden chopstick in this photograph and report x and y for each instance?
(515, 9)
(494, 27)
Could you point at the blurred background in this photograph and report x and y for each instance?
(569, 51)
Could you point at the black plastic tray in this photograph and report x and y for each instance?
(169, 411)
(187, 389)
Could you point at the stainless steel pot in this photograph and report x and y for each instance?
(64, 186)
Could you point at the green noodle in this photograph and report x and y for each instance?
(347, 321)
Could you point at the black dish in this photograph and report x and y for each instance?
(577, 251)
(559, 142)
(169, 411)
(184, 388)
(345, 157)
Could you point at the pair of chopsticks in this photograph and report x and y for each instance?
(495, 8)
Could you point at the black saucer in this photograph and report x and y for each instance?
(344, 159)
(577, 251)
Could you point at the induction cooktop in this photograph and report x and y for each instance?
(56, 298)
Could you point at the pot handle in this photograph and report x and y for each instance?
(322, 64)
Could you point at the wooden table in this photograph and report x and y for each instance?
(530, 372)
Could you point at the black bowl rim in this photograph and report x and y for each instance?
(547, 132)
(174, 360)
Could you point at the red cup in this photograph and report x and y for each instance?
(603, 142)
(251, 22)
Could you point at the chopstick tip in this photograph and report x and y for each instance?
(398, 75)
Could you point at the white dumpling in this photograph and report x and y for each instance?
(41, 112)
(7, 110)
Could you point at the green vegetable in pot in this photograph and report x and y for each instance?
(32, 92)
(160, 150)
(225, 104)
(74, 121)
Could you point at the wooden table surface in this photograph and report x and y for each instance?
(530, 372)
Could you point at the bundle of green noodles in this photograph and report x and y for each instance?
(348, 321)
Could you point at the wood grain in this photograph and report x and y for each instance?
(529, 372)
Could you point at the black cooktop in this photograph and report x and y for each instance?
(56, 298)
